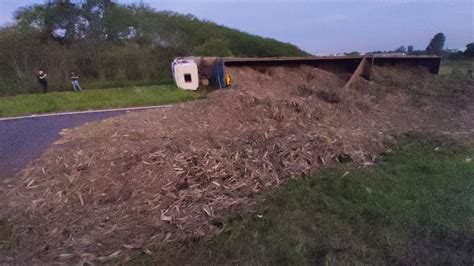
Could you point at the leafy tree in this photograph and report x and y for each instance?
(105, 40)
(56, 19)
(401, 49)
(469, 52)
(107, 20)
(214, 47)
(435, 47)
(354, 53)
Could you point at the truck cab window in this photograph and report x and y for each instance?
(187, 78)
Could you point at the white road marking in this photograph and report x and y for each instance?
(86, 112)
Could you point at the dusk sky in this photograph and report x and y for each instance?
(327, 26)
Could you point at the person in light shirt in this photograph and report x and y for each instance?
(42, 80)
(75, 82)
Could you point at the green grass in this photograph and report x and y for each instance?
(92, 99)
(415, 207)
(110, 84)
(15, 87)
(456, 67)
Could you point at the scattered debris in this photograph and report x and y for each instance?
(182, 184)
(175, 173)
(329, 97)
(66, 256)
(166, 218)
(110, 257)
(147, 251)
(344, 158)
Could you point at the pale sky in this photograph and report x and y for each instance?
(327, 26)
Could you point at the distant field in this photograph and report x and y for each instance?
(92, 99)
(456, 67)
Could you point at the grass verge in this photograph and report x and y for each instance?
(93, 99)
(111, 84)
(415, 207)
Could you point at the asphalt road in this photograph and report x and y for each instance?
(25, 139)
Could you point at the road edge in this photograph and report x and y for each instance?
(86, 112)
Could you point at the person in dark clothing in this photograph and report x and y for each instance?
(75, 82)
(42, 80)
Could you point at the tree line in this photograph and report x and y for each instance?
(105, 40)
(435, 47)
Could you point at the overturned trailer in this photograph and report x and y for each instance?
(193, 72)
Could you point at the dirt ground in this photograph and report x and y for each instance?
(111, 188)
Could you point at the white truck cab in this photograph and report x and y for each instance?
(185, 73)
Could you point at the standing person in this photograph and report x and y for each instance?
(75, 82)
(42, 80)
